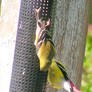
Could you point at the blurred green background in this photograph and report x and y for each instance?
(87, 68)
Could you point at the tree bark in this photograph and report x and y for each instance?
(70, 31)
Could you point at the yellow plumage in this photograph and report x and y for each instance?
(45, 54)
(58, 77)
(55, 75)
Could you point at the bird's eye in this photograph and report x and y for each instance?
(39, 23)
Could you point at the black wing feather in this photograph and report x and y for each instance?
(63, 71)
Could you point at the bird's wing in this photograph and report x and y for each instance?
(62, 68)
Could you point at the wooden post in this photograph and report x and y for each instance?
(70, 30)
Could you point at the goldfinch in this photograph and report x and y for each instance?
(45, 48)
(58, 77)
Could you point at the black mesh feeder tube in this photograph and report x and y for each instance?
(26, 74)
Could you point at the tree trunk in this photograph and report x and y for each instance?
(70, 30)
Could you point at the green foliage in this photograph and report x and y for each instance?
(87, 71)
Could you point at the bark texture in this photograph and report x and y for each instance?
(70, 30)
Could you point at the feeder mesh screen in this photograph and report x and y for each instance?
(26, 76)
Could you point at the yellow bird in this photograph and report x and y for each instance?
(58, 77)
(45, 48)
